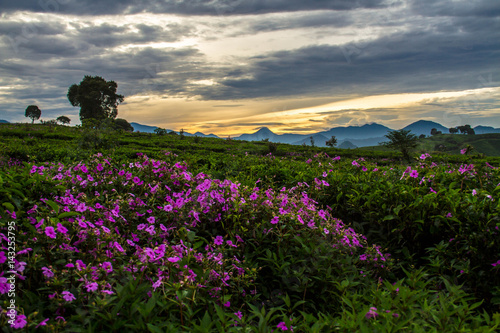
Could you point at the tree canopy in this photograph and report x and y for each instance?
(96, 97)
(402, 140)
(33, 112)
(63, 120)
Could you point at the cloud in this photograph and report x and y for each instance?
(184, 7)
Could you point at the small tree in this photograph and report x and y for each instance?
(332, 142)
(124, 125)
(402, 140)
(63, 120)
(422, 136)
(312, 141)
(33, 112)
(434, 131)
(453, 130)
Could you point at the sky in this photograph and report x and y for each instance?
(233, 66)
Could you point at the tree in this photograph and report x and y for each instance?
(96, 97)
(312, 141)
(434, 131)
(422, 136)
(402, 140)
(63, 120)
(453, 130)
(124, 125)
(33, 112)
(332, 142)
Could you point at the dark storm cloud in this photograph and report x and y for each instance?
(484, 8)
(417, 61)
(184, 7)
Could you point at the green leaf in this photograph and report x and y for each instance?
(67, 214)
(53, 205)
(154, 329)
(9, 206)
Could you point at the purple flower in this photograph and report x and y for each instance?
(174, 259)
(47, 272)
(4, 286)
(20, 321)
(227, 304)
(414, 174)
(372, 313)
(43, 323)
(282, 326)
(218, 240)
(92, 286)
(68, 297)
(50, 232)
(3, 258)
(275, 220)
(108, 268)
(238, 314)
(151, 219)
(61, 229)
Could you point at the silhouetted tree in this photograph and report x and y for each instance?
(332, 142)
(96, 97)
(402, 140)
(434, 131)
(33, 112)
(453, 130)
(422, 136)
(312, 141)
(63, 120)
(124, 125)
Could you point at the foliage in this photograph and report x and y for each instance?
(332, 142)
(123, 125)
(33, 112)
(96, 97)
(63, 120)
(402, 140)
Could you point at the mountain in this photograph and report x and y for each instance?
(151, 129)
(4, 121)
(319, 140)
(261, 134)
(143, 128)
(357, 132)
(347, 145)
(425, 127)
(485, 129)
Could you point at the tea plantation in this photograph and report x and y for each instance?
(105, 231)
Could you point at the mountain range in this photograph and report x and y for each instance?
(347, 137)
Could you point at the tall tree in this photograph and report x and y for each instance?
(96, 97)
(402, 140)
(33, 112)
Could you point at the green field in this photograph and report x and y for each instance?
(134, 232)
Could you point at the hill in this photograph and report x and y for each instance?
(425, 127)
(4, 121)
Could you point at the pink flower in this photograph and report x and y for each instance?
(372, 313)
(151, 219)
(174, 259)
(108, 268)
(275, 220)
(50, 232)
(414, 174)
(61, 229)
(238, 314)
(3, 258)
(43, 323)
(282, 326)
(68, 297)
(218, 240)
(92, 286)
(20, 321)
(227, 304)
(47, 272)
